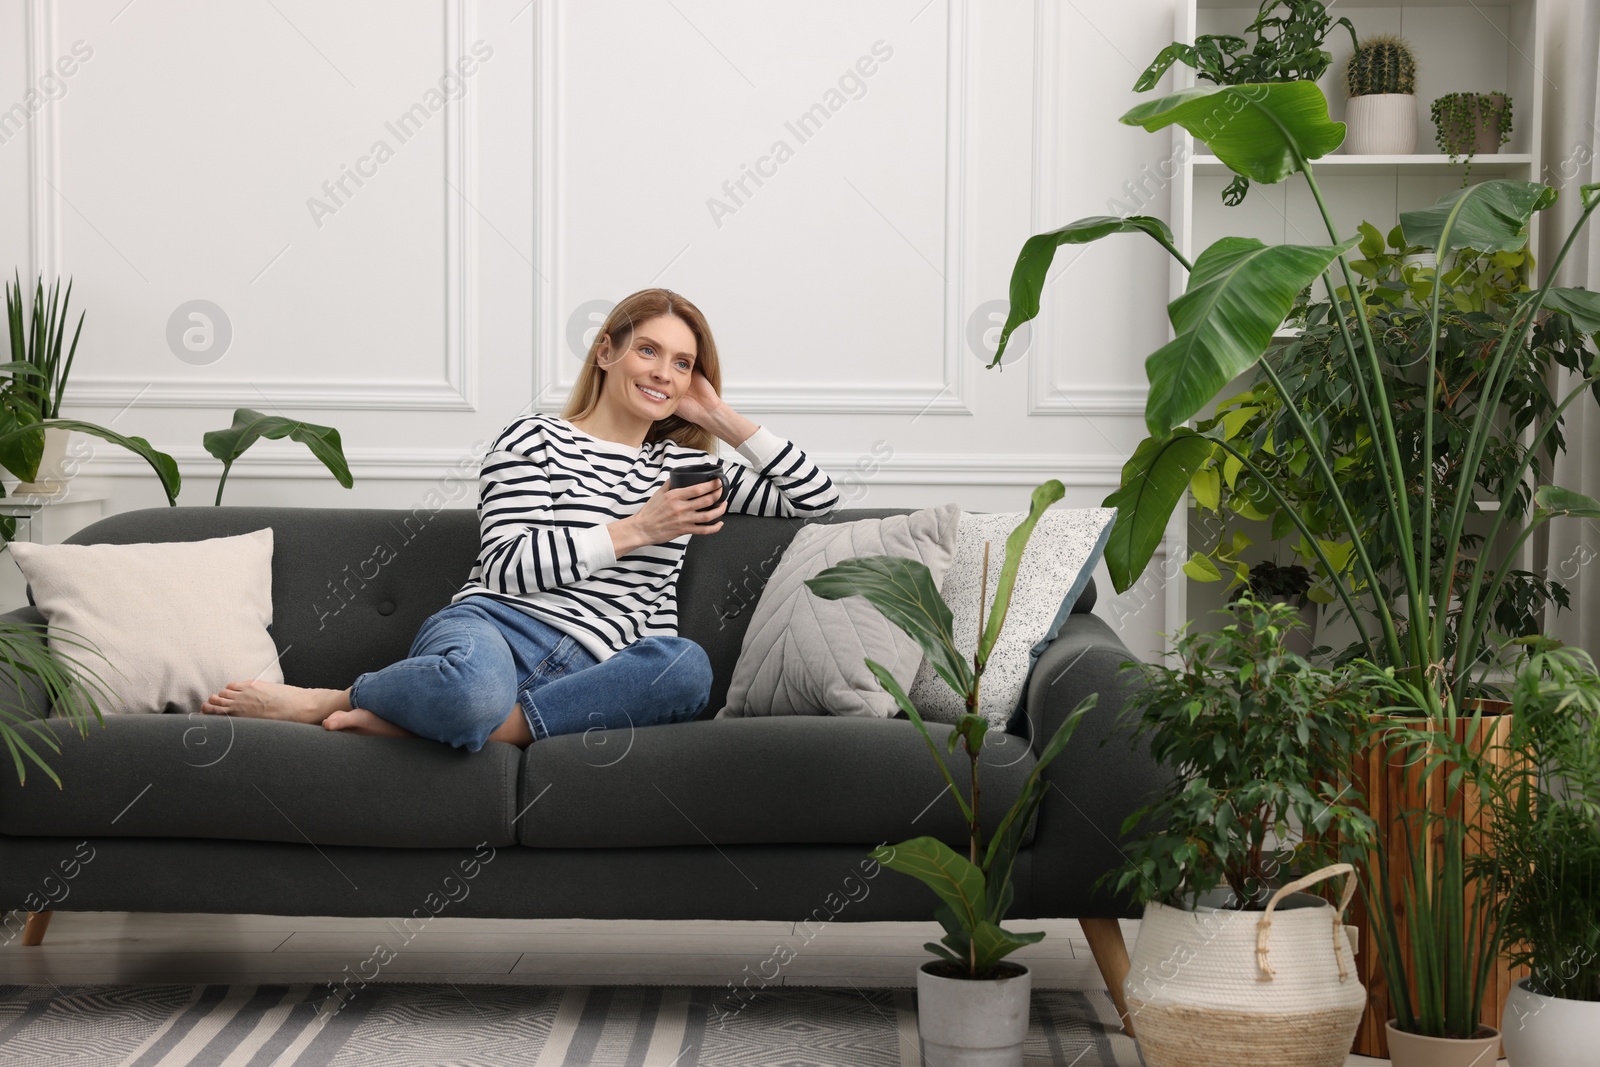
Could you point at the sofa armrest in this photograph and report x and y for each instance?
(25, 695)
(1099, 778)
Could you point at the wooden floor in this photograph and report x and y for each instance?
(83, 948)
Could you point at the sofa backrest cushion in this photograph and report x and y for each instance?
(352, 586)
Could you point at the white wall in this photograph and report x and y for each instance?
(423, 309)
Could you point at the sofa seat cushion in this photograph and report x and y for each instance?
(796, 780)
(214, 776)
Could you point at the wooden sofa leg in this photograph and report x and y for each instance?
(38, 922)
(1111, 956)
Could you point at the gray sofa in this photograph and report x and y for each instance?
(767, 818)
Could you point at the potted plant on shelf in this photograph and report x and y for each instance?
(1287, 47)
(1420, 619)
(1545, 802)
(972, 1004)
(1382, 112)
(1469, 124)
(1232, 964)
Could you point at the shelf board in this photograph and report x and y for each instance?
(1498, 165)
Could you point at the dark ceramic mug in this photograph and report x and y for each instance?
(696, 473)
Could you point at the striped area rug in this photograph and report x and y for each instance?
(386, 1024)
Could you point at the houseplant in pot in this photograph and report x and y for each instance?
(1288, 46)
(1469, 124)
(972, 1002)
(1382, 112)
(1546, 855)
(38, 377)
(1231, 964)
(1431, 617)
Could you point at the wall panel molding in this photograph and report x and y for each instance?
(951, 395)
(456, 392)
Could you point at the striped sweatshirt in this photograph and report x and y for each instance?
(546, 494)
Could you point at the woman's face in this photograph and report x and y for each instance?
(654, 373)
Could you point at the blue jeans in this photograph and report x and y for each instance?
(473, 660)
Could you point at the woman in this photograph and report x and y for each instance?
(569, 618)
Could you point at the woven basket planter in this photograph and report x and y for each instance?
(1224, 988)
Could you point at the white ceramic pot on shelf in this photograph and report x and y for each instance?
(1541, 1031)
(1381, 124)
(966, 1023)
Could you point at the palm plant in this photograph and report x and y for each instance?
(38, 675)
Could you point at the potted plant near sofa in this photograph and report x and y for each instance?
(1429, 619)
(1232, 963)
(1545, 802)
(972, 1004)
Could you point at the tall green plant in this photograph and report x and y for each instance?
(975, 891)
(1239, 292)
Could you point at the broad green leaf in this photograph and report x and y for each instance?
(1265, 132)
(972, 729)
(250, 426)
(994, 944)
(1338, 553)
(20, 454)
(1153, 483)
(1038, 252)
(1238, 294)
(1016, 543)
(1234, 421)
(1371, 240)
(165, 467)
(1206, 487)
(1580, 305)
(1231, 466)
(1199, 567)
(904, 591)
(1491, 216)
(1554, 500)
(956, 881)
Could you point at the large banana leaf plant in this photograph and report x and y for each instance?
(975, 891)
(1239, 292)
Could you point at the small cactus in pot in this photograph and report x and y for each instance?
(1382, 113)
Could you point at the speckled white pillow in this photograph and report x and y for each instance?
(1061, 554)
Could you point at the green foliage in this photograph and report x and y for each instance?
(1481, 296)
(1381, 64)
(1457, 118)
(56, 674)
(250, 426)
(39, 344)
(975, 891)
(1543, 794)
(1287, 47)
(1262, 743)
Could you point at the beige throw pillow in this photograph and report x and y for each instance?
(806, 655)
(175, 621)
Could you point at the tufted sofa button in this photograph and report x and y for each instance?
(386, 608)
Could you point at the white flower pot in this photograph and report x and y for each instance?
(49, 480)
(1383, 124)
(1415, 1050)
(964, 1023)
(1224, 988)
(1541, 1031)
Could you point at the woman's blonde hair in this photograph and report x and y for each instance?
(633, 310)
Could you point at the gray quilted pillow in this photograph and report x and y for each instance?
(804, 654)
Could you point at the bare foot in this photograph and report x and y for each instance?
(361, 721)
(274, 700)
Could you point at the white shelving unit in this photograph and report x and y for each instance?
(1461, 46)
